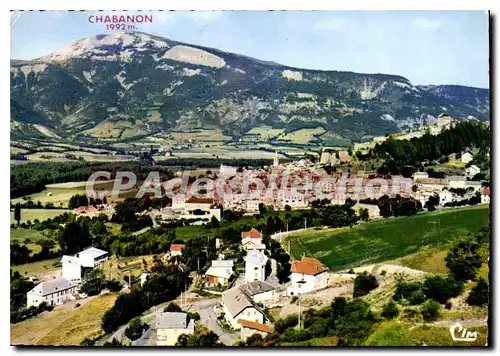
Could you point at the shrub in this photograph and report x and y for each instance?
(319, 328)
(390, 311)
(430, 310)
(294, 299)
(441, 289)
(255, 340)
(172, 308)
(135, 329)
(363, 284)
(113, 285)
(479, 294)
(464, 261)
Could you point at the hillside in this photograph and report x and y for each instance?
(124, 85)
(379, 241)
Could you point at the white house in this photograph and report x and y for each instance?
(92, 257)
(219, 272)
(308, 274)
(249, 328)
(472, 170)
(252, 240)
(169, 326)
(144, 277)
(466, 157)
(201, 208)
(237, 305)
(485, 196)
(445, 196)
(259, 291)
(176, 249)
(71, 268)
(178, 201)
(418, 175)
(227, 171)
(457, 182)
(53, 292)
(255, 266)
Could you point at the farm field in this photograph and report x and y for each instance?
(65, 325)
(302, 136)
(387, 239)
(38, 269)
(40, 214)
(121, 267)
(60, 193)
(394, 333)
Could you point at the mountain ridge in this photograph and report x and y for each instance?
(150, 84)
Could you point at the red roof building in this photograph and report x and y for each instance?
(176, 247)
(308, 265)
(254, 234)
(256, 326)
(84, 210)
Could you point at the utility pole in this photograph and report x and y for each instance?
(305, 223)
(299, 316)
(198, 264)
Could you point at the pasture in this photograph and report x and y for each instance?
(387, 239)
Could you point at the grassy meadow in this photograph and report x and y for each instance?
(388, 239)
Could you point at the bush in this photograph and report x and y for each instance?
(294, 299)
(363, 284)
(390, 311)
(319, 328)
(255, 340)
(430, 310)
(441, 289)
(409, 291)
(113, 285)
(464, 260)
(172, 308)
(479, 294)
(135, 329)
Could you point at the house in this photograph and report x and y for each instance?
(485, 196)
(227, 171)
(259, 291)
(237, 305)
(466, 157)
(144, 277)
(418, 175)
(178, 201)
(445, 196)
(457, 182)
(169, 326)
(219, 272)
(201, 208)
(373, 210)
(87, 210)
(252, 240)
(472, 170)
(92, 257)
(255, 266)
(71, 268)
(53, 292)
(249, 328)
(308, 274)
(473, 184)
(431, 184)
(176, 249)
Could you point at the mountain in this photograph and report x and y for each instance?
(127, 84)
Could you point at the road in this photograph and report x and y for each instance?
(208, 317)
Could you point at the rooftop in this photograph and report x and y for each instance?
(256, 326)
(254, 234)
(256, 257)
(176, 247)
(308, 265)
(70, 259)
(256, 287)
(236, 301)
(177, 320)
(52, 286)
(92, 252)
(194, 200)
(223, 272)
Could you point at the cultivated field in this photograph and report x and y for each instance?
(303, 136)
(387, 239)
(40, 214)
(65, 325)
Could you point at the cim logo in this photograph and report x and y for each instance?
(459, 333)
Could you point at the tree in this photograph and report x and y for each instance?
(135, 329)
(479, 294)
(203, 338)
(113, 285)
(364, 215)
(17, 213)
(363, 284)
(464, 260)
(172, 308)
(288, 207)
(390, 311)
(441, 289)
(93, 281)
(75, 236)
(78, 200)
(430, 310)
(255, 340)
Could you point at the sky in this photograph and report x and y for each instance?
(427, 47)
